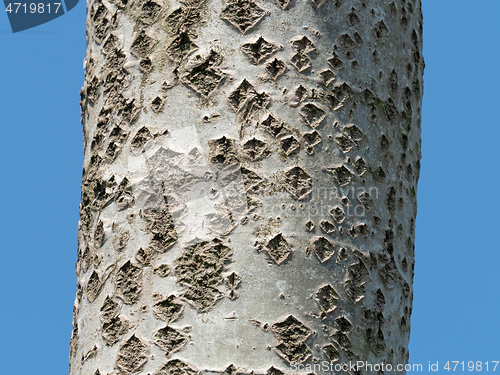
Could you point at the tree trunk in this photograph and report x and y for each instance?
(249, 186)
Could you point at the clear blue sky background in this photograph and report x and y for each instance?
(457, 273)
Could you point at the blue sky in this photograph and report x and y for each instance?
(457, 278)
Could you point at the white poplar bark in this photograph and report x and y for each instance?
(249, 186)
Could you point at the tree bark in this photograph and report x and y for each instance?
(249, 186)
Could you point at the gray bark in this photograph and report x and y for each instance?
(249, 186)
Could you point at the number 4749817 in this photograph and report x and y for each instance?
(33, 8)
(471, 366)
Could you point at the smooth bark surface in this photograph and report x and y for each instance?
(249, 186)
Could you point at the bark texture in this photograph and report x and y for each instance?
(249, 185)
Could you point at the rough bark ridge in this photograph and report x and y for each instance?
(249, 186)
